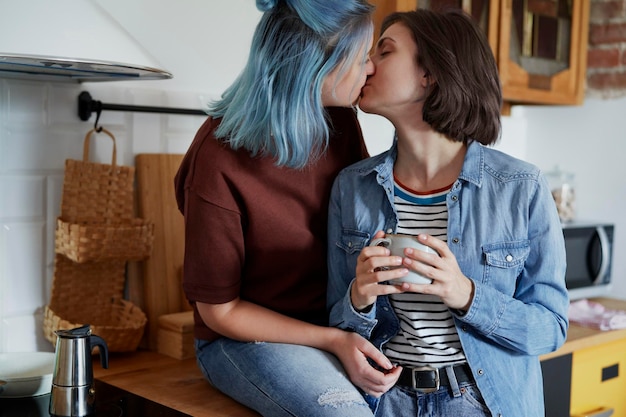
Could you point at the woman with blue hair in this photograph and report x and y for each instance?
(254, 189)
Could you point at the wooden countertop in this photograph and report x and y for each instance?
(179, 384)
(580, 337)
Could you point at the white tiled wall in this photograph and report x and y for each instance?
(39, 130)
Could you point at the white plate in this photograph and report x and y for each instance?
(25, 374)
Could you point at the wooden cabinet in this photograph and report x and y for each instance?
(542, 50)
(540, 45)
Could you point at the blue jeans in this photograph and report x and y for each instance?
(405, 402)
(280, 380)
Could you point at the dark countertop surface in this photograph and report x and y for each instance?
(111, 401)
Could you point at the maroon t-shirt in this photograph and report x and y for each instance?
(257, 231)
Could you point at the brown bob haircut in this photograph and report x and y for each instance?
(465, 98)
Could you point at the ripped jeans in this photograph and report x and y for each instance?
(281, 380)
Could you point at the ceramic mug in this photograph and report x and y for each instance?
(396, 244)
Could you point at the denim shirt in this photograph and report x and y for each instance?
(504, 230)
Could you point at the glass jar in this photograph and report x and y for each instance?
(564, 193)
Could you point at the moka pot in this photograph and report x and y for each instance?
(73, 393)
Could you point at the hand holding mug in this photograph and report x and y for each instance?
(375, 265)
(448, 281)
(397, 243)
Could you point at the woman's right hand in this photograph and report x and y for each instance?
(353, 351)
(245, 321)
(371, 271)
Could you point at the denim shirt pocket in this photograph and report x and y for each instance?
(353, 241)
(504, 261)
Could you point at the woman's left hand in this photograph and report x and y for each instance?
(449, 283)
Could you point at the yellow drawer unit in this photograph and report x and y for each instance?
(598, 380)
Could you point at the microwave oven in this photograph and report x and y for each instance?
(589, 254)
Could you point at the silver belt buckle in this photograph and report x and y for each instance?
(425, 390)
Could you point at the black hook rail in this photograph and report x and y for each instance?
(87, 105)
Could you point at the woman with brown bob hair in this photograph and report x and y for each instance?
(466, 99)
(492, 295)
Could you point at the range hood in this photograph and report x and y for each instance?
(69, 40)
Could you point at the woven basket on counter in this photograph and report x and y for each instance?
(96, 235)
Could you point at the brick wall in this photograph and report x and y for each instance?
(606, 58)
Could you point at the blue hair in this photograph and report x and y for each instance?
(274, 108)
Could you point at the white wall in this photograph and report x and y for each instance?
(589, 141)
(204, 44)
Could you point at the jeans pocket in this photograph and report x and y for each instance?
(471, 394)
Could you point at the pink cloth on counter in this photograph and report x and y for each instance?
(592, 314)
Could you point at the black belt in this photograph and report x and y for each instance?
(429, 379)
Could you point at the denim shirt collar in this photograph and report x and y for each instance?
(474, 164)
(472, 171)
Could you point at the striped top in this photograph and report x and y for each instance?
(427, 333)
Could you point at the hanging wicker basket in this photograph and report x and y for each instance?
(96, 235)
(130, 241)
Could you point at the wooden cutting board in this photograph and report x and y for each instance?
(160, 284)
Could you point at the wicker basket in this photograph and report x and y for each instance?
(95, 192)
(121, 326)
(91, 293)
(96, 234)
(130, 241)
